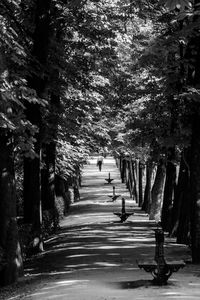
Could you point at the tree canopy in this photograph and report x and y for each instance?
(83, 76)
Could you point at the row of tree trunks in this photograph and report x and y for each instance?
(132, 174)
(128, 172)
(172, 195)
(164, 198)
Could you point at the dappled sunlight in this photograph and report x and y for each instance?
(81, 255)
(47, 274)
(70, 282)
(58, 289)
(38, 294)
(99, 245)
(128, 239)
(106, 264)
(111, 242)
(94, 251)
(77, 266)
(181, 296)
(113, 254)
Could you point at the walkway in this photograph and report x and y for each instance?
(94, 255)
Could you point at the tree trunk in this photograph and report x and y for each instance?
(127, 173)
(49, 158)
(179, 192)
(147, 192)
(123, 169)
(128, 176)
(140, 183)
(135, 180)
(131, 183)
(194, 80)
(157, 192)
(32, 171)
(170, 184)
(120, 165)
(11, 265)
(48, 177)
(183, 228)
(48, 182)
(195, 189)
(32, 200)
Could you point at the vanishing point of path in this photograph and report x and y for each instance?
(93, 256)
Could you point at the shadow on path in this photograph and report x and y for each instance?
(94, 256)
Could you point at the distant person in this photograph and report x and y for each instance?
(100, 162)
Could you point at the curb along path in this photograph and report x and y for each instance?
(93, 257)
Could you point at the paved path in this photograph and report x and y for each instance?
(94, 255)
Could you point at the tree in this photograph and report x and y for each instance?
(12, 121)
(37, 81)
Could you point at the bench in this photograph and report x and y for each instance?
(114, 196)
(160, 268)
(109, 180)
(123, 215)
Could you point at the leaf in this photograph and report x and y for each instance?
(5, 122)
(173, 4)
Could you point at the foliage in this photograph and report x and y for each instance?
(153, 104)
(115, 75)
(50, 222)
(14, 90)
